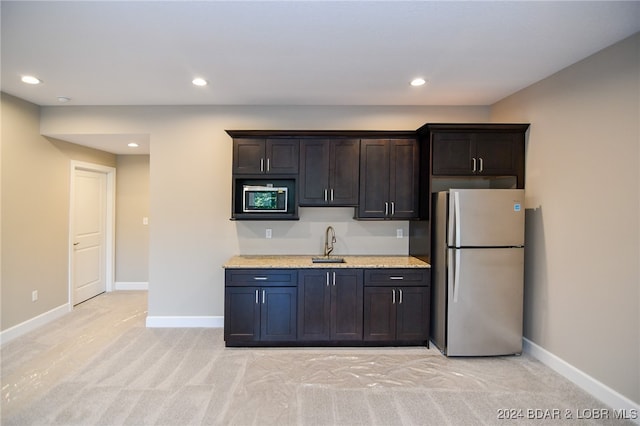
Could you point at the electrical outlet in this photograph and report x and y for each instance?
(145, 220)
(34, 295)
(268, 233)
(399, 233)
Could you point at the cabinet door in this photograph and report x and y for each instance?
(346, 304)
(241, 314)
(281, 156)
(403, 179)
(314, 172)
(278, 314)
(314, 304)
(413, 313)
(452, 154)
(374, 179)
(498, 153)
(379, 314)
(248, 156)
(344, 172)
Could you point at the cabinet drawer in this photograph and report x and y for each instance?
(397, 277)
(261, 277)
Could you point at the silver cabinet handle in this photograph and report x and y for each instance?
(326, 198)
(268, 164)
(386, 208)
(334, 278)
(481, 164)
(257, 297)
(263, 292)
(396, 278)
(400, 291)
(327, 279)
(393, 291)
(393, 208)
(260, 278)
(331, 194)
(262, 164)
(474, 164)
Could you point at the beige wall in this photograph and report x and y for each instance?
(191, 235)
(132, 205)
(582, 299)
(35, 206)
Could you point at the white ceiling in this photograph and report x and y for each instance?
(297, 52)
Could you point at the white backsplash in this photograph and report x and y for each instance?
(306, 236)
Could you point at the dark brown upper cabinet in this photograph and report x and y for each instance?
(265, 156)
(483, 150)
(329, 172)
(388, 179)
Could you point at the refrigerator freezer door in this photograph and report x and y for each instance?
(486, 218)
(485, 294)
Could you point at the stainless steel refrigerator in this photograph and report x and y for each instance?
(478, 271)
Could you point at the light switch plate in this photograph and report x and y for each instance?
(268, 233)
(399, 233)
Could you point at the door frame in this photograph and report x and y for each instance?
(110, 221)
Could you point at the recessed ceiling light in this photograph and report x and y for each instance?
(29, 79)
(199, 81)
(63, 99)
(418, 82)
(132, 145)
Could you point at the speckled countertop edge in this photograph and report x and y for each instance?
(297, 262)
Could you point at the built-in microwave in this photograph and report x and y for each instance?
(267, 199)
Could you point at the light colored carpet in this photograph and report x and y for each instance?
(99, 365)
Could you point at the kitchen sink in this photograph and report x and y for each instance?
(327, 259)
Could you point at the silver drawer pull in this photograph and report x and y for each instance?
(396, 278)
(260, 278)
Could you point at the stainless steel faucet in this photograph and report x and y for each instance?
(328, 244)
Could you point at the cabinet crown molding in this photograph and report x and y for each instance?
(321, 133)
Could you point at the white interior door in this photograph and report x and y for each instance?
(89, 234)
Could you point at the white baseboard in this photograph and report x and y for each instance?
(597, 389)
(185, 321)
(33, 323)
(131, 285)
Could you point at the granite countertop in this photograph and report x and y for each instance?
(298, 262)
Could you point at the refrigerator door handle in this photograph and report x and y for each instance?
(451, 220)
(456, 202)
(454, 274)
(456, 279)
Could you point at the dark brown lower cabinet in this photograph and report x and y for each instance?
(396, 305)
(330, 304)
(326, 307)
(396, 313)
(260, 313)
